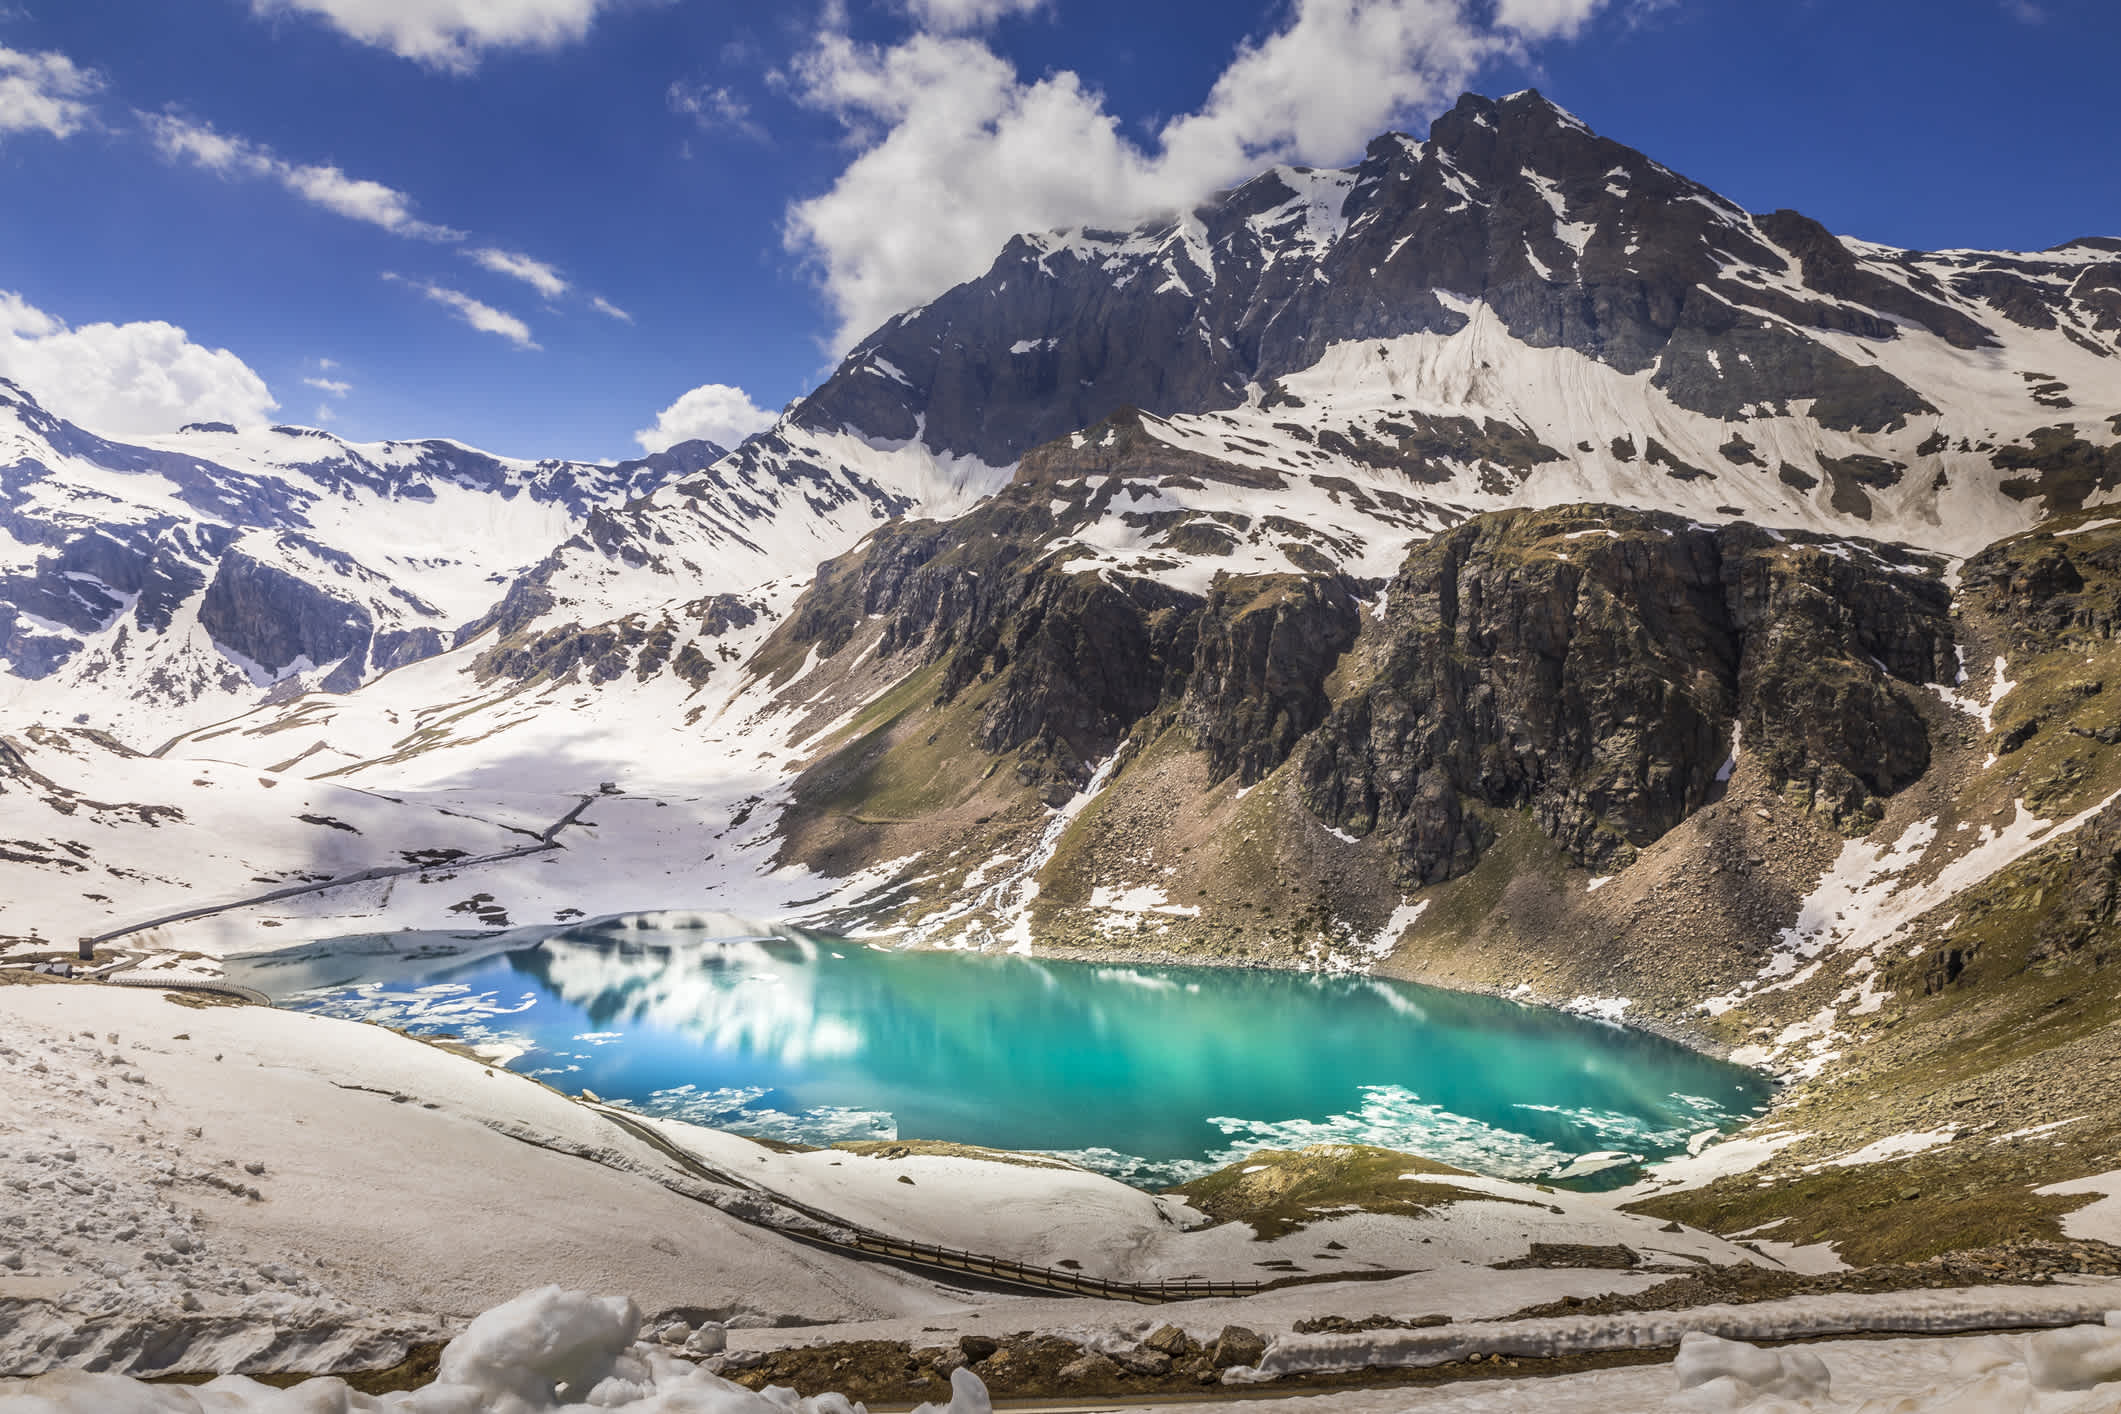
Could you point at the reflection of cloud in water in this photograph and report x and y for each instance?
(1136, 979)
(1397, 1000)
(770, 1010)
(737, 1110)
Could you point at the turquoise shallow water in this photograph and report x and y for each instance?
(1151, 1074)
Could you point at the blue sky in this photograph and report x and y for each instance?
(307, 183)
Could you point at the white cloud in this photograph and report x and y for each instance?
(449, 34)
(355, 198)
(1546, 19)
(713, 106)
(953, 16)
(327, 364)
(325, 414)
(44, 93)
(479, 315)
(606, 307)
(714, 411)
(958, 153)
(359, 199)
(338, 388)
(534, 273)
(126, 379)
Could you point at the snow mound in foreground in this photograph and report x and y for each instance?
(547, 1350)
(1734, 1374)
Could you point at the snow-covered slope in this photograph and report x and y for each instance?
(144, 588)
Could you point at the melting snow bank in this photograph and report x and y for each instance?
(556, 1350)
(548, 1349)
(2070, 1371)
(1799, 1318)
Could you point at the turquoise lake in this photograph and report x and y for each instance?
(1150, 1074)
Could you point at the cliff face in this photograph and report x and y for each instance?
(1596, 666)
(1592, 665)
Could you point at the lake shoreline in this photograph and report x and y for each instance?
(810, 1038)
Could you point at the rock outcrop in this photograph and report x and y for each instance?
(1591, 664)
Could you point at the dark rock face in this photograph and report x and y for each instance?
(2048, 590)
(274, 619)
(1813, 705)
(1596, 680)
(1086, 658)
(1264, 648)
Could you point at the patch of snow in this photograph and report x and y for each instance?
(2099, 1221)
(1730, 766)
(2000, 687)
(1142, 898)
(1894, 1146)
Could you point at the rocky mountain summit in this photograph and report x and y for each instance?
(1574, 241)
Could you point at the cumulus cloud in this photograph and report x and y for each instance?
(126, 379)
(355, 198)
(1546, 19)
(713, 411)
(534, 273)
(44, 93)
(951, 16)
(478, 314)
(956, 152)
(606, 307)
(449, 34)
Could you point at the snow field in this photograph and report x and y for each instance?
(133, 1132)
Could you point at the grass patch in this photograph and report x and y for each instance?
(1279, 1191)
(900, 761)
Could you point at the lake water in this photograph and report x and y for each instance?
(1151, 1074)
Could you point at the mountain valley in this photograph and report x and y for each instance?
(1503, 564)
